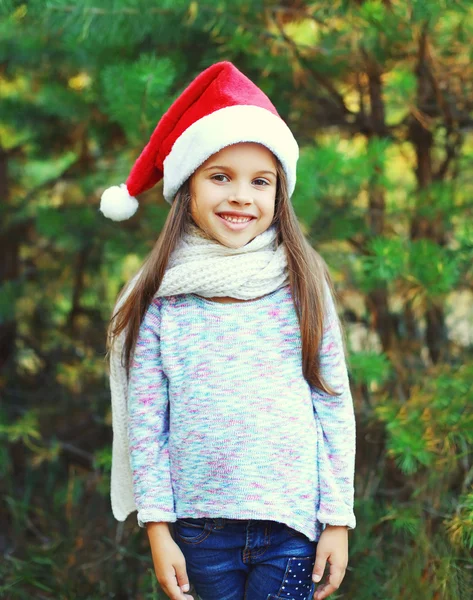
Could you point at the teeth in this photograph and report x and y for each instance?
(235, 219)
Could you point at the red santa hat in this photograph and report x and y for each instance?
(219, 108)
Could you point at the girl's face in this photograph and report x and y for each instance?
(238, 183)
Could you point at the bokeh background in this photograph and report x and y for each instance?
(379, 94)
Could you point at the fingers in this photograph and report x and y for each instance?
(335, 576)
(174, 593)
(319, 566)
(181, 577)
(175, 584)
(333, 582)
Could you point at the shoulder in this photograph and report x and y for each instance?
(157, 303)
(154, 312)
(160, 305)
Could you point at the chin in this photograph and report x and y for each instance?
(233, 245)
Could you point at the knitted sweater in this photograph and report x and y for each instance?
(222, 422)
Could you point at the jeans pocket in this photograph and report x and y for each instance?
(297, 581)
(192, 531)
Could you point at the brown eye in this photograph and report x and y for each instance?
(218, 175)
(263, 180)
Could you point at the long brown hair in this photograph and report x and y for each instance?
(307, 270)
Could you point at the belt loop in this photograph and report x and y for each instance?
(219, 522)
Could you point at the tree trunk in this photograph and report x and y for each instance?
(378, 299)
(9, 264)
(422, 226)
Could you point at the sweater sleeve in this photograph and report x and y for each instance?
(148, 424)
(336, 429)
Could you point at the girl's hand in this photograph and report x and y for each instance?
(169, 563)
(332, 546)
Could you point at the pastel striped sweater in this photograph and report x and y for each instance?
(222, 422)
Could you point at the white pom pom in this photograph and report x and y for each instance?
(117, 204)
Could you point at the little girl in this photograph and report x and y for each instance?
(233, 421)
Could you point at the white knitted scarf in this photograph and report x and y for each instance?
(205, 267)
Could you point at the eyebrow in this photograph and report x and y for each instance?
(230, 169)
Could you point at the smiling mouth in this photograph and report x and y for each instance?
(235, 223)
(235, 219)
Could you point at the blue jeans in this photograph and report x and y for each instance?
(233, 559)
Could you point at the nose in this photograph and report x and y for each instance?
(240, 200)
(240, 196)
